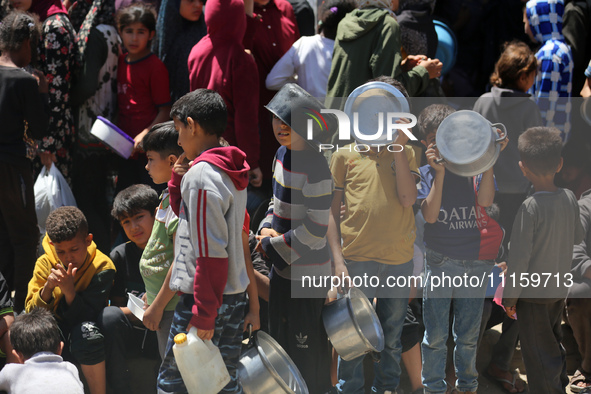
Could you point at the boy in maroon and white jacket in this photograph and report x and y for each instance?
(209, 269)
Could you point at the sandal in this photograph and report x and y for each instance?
(580, 377)
(508, 385)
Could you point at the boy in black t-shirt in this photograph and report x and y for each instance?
(135, 208)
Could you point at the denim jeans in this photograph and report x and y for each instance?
(391, 310)
(468, 299)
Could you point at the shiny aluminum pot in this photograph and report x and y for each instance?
(353, 326)
(265, 368)
(468, 143)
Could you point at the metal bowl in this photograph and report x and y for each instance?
(266, 368)
(353, 326)
(369, 102)
(468, 143)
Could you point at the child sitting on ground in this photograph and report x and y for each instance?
(35, 337)
(545, 230)
(73, 279)
(209, 268)
(134, 207)
(162, 149)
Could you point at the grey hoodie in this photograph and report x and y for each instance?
(518, 112)
(582, 252)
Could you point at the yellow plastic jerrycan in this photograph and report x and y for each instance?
(200, 362)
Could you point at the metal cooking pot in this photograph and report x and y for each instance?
(370, 101)
(265, 368)
(468, 143)
(353, 326)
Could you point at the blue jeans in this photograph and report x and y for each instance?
(467, 304)
(391, 310)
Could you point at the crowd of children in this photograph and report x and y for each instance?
(171, 225)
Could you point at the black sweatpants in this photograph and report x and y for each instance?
(19, 234)
(540, 334)
(296, 324)
(578, 308)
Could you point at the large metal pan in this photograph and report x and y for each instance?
(265, 368)
(353, 326)
(468, 143)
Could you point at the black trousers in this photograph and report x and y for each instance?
(19, 234)
(296, 324)
(540, 333)
(578, 309)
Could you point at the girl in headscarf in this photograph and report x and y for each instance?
(57, 49)
(94, 93)
(180, 26)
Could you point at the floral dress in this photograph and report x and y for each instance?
(58, 60)
(104, 101)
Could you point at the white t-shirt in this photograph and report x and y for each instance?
(306, 63)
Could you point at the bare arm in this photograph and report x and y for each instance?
(334, 235)
(486, 191)
(405, 181)
(162, 116)
(432, 204)
(253, 296)
(154, 312)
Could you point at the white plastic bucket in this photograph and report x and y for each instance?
(200, 362)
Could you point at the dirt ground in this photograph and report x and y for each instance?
(143, 375)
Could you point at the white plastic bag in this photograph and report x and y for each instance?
(51, 192)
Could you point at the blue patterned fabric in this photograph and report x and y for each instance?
(553, 86)
(588, 71)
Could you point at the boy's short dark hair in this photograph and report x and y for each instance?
(540, 149)
(65, 223)
(163, 138)
(132, 200)
(137, 12)
(35, 332)
(430, 118)
(205, 107)
(391, 81)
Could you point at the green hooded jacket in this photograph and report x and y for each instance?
(367, 46)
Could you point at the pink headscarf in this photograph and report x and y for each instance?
(46, 8)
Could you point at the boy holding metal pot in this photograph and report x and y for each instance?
(378, 188)
(461, 242)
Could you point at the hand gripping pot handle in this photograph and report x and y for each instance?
(503, 128)
(440, 159)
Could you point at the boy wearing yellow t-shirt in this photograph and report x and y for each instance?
(378, 188)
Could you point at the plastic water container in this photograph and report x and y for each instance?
(200, 362)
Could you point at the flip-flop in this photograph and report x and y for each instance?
(502, 382)
(578, 377)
